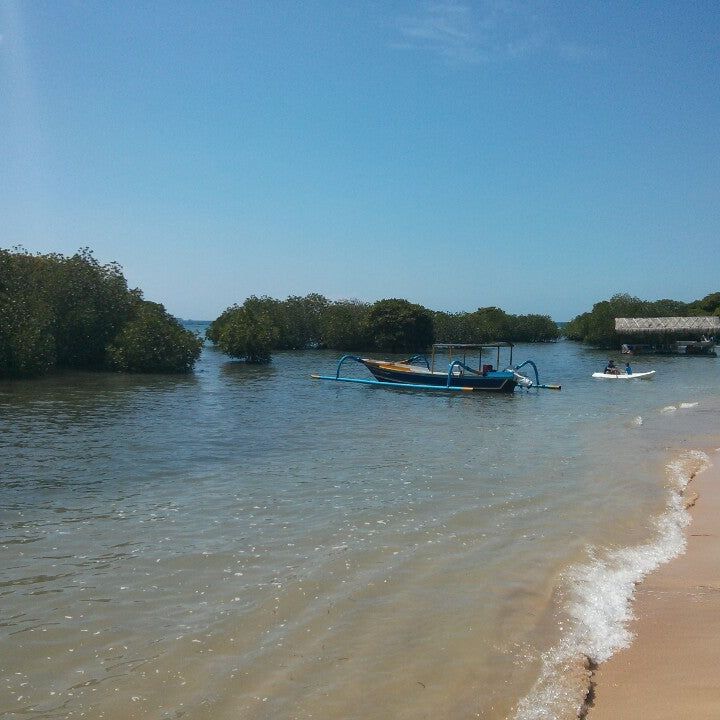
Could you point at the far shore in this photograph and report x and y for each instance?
(672, 668)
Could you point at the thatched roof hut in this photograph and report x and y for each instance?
(668, 325)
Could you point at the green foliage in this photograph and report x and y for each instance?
(578, 328)
(344, 325)
(154, 342)
(58, 311)
(248, 331)
(262, 325)
(488, 324)
(709, 305)
(533, 328)
(252, 331)
(399, 326)
(293, 324)
(91, 304)
(668, 308)
(27, 344)
(299, 321)
(452, 327)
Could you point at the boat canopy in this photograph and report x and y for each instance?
(471, 346)
(474, 349)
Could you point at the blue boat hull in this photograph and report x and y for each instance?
(494, 381)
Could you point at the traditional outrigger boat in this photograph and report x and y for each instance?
(422, 373)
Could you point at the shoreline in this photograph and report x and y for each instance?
(672, 667)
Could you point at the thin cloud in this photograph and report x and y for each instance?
(490, 31)
(574, 51)
(442, 28)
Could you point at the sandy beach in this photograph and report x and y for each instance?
(672, 668)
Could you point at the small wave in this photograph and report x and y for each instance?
(600, 594)
(686, 405)
(668, 409)
(637, 421)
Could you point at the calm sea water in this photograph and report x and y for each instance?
(249, 543)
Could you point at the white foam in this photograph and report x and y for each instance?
(686, 405)
(637, 421)
(669, 409)
(599, 595)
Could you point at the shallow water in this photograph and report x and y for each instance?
(246, 542)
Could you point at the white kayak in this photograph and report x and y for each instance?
(626, 376)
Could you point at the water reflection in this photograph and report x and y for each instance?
(240, 371)
(76, 397)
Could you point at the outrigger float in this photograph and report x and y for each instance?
(420, 373)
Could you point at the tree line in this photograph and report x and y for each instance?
(261, 325)
(72, 312)
(597, 327)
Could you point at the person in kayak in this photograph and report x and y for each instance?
(610, 368)
(628, 369)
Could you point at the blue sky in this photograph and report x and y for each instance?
(538, 156)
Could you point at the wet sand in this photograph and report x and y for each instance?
(672, 669)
